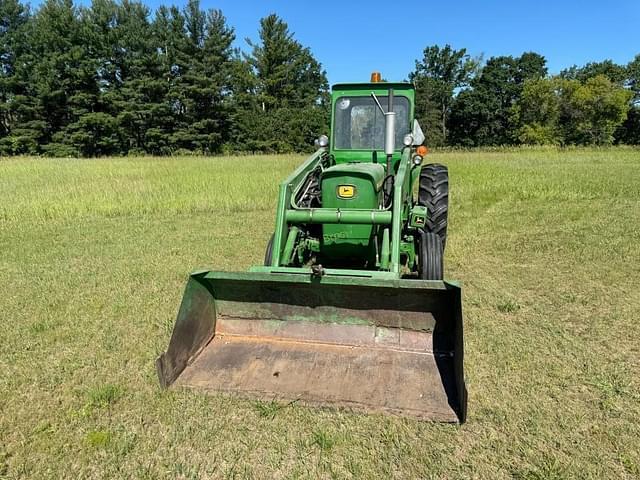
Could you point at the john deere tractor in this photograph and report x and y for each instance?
(349, 308)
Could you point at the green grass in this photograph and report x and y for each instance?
(94, 256)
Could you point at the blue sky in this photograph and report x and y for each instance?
(352, 38)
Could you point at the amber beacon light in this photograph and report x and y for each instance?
(376, 77)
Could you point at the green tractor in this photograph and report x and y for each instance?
(350, 308)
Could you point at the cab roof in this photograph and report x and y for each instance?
(373, 86)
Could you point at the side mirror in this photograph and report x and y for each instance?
(416, 133)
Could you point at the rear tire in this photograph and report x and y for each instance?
(431, 263)
(433, 193)
(268, 252)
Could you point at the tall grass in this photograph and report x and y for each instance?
(43, 189)
(93, 260)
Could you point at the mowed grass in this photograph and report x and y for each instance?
(94, 255)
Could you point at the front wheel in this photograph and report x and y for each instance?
(431, 263)
(433, 193)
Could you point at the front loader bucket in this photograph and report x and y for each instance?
(390, 346)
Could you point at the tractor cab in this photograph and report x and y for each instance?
(359, 116)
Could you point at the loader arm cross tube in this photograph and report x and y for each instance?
(333, 215)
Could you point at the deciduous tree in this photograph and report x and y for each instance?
(438, 77)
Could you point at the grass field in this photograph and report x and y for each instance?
(94, 255)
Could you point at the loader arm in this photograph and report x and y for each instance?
(287, 187)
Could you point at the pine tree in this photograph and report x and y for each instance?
(291, 90)
(14, 18)
(134, 89)
(202, 83)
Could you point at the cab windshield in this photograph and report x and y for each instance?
(359, 123)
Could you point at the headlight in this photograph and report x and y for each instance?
(407, 140)
(417, 160)
(323, 141)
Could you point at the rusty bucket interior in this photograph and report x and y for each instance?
(371, 345)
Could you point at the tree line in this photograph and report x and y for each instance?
(508, 100)
(115, 78)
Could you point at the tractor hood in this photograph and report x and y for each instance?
(374, 172)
